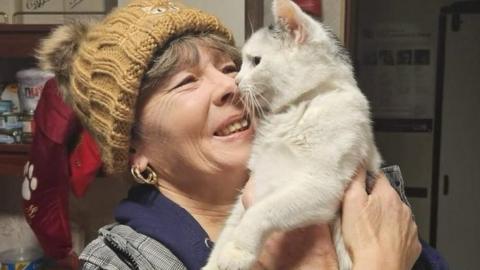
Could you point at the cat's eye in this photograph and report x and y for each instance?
(256, 60)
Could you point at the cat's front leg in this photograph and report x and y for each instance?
(344, 260)
(292, 207)
(240, 250)
(225, 236)
(235, 257)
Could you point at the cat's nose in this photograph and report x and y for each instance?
(238, 79)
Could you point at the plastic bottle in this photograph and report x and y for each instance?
(21, 259)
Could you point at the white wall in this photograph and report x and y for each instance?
(122, 2)
(333, 15)
(230, 12)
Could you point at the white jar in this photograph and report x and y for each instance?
(30, 87)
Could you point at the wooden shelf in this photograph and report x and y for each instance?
(20, 40)
(13, 158)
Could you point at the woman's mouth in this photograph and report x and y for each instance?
(233, 127)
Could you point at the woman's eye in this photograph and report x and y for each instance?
(230, 69)
(185, 81)
(256, 60)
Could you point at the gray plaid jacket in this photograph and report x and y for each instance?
(120, 247)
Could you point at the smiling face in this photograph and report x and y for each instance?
(192, 128)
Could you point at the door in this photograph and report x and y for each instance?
(458, 237)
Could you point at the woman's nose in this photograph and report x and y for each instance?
(226, 89)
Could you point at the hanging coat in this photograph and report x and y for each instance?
(47, 174)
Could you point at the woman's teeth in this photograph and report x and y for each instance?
(234, 127)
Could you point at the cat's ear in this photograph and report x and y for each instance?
(290, 15)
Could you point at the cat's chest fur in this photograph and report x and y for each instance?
(312, 123)
(283, 129)
(306, 134)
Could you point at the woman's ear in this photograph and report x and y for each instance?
(139, 160)
(290, 15)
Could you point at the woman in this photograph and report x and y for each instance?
(154, 84)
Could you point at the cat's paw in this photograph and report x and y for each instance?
(344, 263)
(211, 266)
(232, 257)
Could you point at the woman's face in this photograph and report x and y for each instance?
(194, 125)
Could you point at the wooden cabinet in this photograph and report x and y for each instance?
(20, 40)
(12, 158)
(17, 42)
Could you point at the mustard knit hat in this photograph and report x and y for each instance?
(100, 67)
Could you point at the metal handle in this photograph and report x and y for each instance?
(446, 184)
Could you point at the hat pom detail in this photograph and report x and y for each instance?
(56, 52)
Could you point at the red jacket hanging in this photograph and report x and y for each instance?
(46, 184)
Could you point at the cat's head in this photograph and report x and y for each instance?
(294, 55)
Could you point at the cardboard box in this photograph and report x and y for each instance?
(39, 5)
(83, 17)
(89, 5)
(25, 12)
(39, 19)
(7, 8)
(55, 11)
(84, 7)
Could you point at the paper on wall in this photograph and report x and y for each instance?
(396, 70)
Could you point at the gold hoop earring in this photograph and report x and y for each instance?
(148, 176)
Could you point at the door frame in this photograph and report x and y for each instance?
(455, 9)
(253, 16)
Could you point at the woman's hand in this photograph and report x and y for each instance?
(306, 248)
(378, 229)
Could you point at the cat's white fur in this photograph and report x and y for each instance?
(316, 132)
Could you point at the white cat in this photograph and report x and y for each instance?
(315, 133)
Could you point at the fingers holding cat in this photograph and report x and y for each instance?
(378, 228)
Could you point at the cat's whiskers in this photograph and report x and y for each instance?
(247, 102)
(256, 106)
(269, 104)
(250, 22)
(236, 98)
(251, 104)
(245, 110)
(259, 99)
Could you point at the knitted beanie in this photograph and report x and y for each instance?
(108, 62)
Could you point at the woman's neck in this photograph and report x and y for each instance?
(210, 214)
